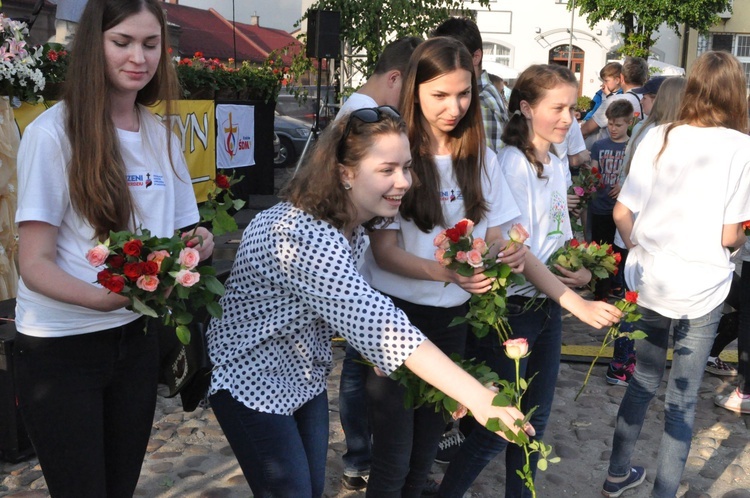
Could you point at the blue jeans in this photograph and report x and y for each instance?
(353, 412)
(692, 342)
(282, 456)
(541, 325)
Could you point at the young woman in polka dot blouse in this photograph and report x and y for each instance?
(458, 178)
(294, 285)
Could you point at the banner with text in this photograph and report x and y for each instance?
(235, 136)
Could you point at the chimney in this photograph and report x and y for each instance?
(255, 20)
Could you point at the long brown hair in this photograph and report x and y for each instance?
(316, 188)
(532, 85)
(98, 188)
(421, 204)
(715, 95)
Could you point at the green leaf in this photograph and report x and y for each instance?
(223, 223)
(182, 317)
(501, 399)
(237, 204)
(542, 464)
(214, 285)
(142, 308)
(214, 309)
(183, 334)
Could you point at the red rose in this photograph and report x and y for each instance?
(462, 227)
(115, 284)
(132, 247)
(618, 258)
(198, 55)
(594, 170)
(610, 250)
(150, 268)
(222, 181)
(453, 234)
(132, 271)
(631, 296)
(115, 261)
(574, 243)
(103, 276)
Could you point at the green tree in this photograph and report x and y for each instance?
(368, 25)
(642, 18)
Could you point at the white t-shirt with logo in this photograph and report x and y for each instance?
(163, 203)
(543, 203)
(501, 206)
(700, 183)
(354, 102)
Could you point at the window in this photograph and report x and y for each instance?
(496, 53)
(736, 44)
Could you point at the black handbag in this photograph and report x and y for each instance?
(185, 368)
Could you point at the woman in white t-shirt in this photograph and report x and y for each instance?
(458, 178)
(678, 259)
(86, 372)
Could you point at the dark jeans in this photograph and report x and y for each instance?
(353, 412)
(281, 456)
(692, 342)
(405, 441)
(542, 327)
(88, 403)
(743, 337)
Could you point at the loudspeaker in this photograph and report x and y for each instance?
(323, 31)
(14, 442)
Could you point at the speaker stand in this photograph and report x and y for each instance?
(315, 130)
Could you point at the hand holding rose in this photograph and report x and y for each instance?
(202, 240)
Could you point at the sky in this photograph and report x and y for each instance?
(280, 14)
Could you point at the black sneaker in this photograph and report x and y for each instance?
(354, 483)
(449, 445)
(635, 478)
(619, 374)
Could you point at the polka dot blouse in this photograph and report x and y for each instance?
(294, 284)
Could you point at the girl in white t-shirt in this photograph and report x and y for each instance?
(541, 104)
(86, 372)
(678, 259)
(458, 178)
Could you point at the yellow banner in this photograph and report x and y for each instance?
(193, 122)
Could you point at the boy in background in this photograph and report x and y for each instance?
(607, 155)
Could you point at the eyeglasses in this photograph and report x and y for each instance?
(366, 115)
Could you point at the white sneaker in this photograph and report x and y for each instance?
(733, 402)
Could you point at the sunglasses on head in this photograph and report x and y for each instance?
(366, 115)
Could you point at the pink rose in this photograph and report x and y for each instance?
(96, 256)
(149, 283)
(518, 233)
(441, 241)
(579, 191)
(480, 245)
(515, 349)
(189, 258)
(187, 278)
(440, 257)
(461, 257)
(474, 258)
(157, 257)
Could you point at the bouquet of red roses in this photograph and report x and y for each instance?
(600, 259)
(160, 275)
(460, 251)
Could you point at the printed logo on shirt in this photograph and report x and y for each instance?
(610, 163)
(146, 181)
(558, 212)
(451, 195)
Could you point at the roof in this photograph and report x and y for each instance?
(209, 32)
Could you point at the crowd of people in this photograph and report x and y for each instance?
(427, 141)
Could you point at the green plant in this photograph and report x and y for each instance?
(583, 103)
(197, 73)
(54, 62)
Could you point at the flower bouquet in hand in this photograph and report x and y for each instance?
(510, 394)
(584, 186)
(746, 228)
(628, 306)
(600, 259)
(160, 275)
(460, 251)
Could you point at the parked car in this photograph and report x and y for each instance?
(292, 135)
(276, 147)
(287, 105)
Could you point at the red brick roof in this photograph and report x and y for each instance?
(209, 32)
